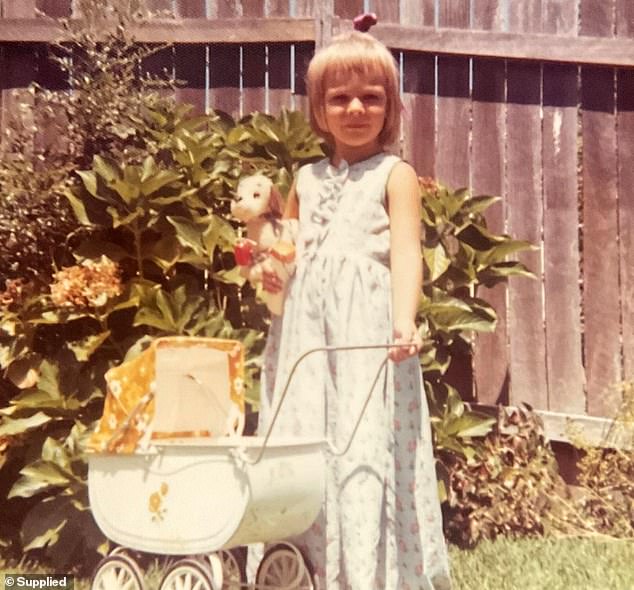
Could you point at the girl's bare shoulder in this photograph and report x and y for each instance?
(402, 177)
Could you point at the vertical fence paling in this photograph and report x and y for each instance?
(625, 154)
(564, 366)
(525, 215)
(487, 177)
(452, 147)
(419, 120)
(253, 66)
(279, 65)
(190, 61)
(602, 348)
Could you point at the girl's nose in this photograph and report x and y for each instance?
(355, 105)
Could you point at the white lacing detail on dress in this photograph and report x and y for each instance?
(329, 197)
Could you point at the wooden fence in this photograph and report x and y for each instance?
(530, 100)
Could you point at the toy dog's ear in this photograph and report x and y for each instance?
(276, 204)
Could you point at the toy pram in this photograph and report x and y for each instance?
(169, 472)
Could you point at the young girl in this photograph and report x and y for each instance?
(358, 281)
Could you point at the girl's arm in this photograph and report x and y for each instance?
(404, 206)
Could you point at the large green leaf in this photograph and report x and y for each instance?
(83, 349)
(13, 426)
(437, 261)
(38, 477)
(188, 233)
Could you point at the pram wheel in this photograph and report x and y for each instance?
(191, 574)
(117, 572)
(283, 566)
(232, 570)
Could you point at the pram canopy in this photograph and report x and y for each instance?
(178, 388)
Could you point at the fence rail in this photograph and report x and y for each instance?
(446, 41)
(531, 100)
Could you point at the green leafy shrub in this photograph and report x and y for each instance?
(460, 255)
(145, 187)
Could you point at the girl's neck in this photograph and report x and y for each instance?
(354, 156)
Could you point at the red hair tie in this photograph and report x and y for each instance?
(364, 21)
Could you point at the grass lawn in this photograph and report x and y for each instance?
(532, 564)
(545, 564)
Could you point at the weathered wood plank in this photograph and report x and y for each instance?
(566, 378)
(303, 54)
(453, 114)
(277, 8)
(624, 18)
(279, 64)
(227, 8)
(600, 222)
(453, 14)
(453, 105)
(533, 46)
(387, 11)
(55, 8)
(488, 15)
(224, 78)
(596, 17)
(279, 77)
(304, 8)
(625, 146)
(525, 212)
(419, 119)
(190, 69)
(348, 9)
(487, 153)
(559, 17)
(191, 8)
(23, 9)
(412, 13)
(536, 47)
(600, 245)
(190, 62)
(525, 16)
(253, 77)
(625, 156)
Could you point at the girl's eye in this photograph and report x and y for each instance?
(371, 97)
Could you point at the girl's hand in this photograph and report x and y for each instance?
(271, 282)
(411, 340)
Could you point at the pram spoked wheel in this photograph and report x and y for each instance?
(193, 574)
(117, 572)
(232, 571)
(283, 566)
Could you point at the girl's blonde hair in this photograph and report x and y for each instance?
(355, 53)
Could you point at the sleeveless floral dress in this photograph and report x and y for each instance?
(380, 526)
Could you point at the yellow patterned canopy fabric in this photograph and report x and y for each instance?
(187, 364)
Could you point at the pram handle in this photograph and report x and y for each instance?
(333, 450)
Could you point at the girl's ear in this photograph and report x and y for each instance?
(276, 205)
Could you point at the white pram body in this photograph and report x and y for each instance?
(170, 473)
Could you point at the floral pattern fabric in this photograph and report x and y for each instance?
(380, 526)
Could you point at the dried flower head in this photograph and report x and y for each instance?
(89, 284)
(429, 185)
(15, 292)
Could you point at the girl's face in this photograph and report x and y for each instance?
(354, 112)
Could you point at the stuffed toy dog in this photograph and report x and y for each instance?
(269, 245)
